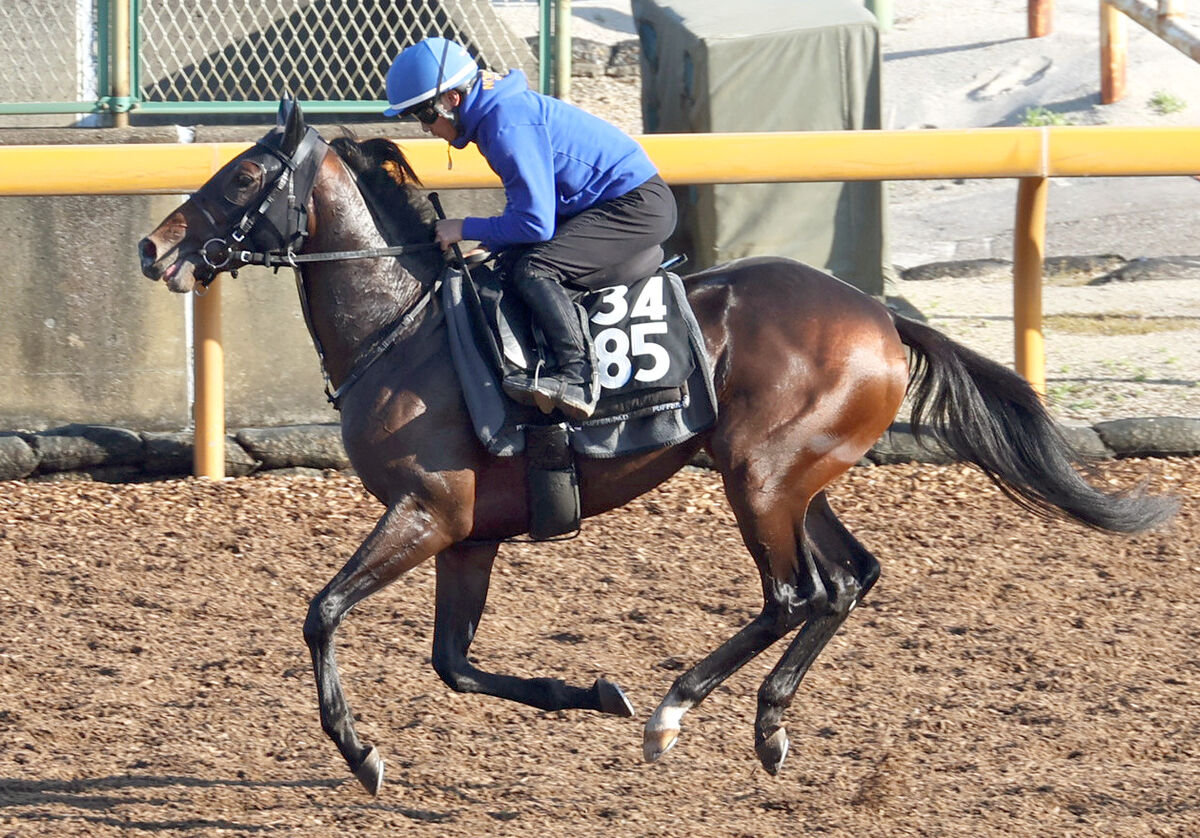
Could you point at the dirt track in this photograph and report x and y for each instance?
(1007, 676)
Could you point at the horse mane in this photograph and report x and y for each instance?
(390, 186)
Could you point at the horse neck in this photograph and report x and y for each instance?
(350, 302)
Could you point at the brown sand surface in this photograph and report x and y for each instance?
(1007, 675)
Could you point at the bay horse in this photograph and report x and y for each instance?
(808, 371)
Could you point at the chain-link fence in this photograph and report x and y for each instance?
(52, 52)
(227, 51)
(320, 50)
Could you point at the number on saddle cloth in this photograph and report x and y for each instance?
(640, 343)
(639, 339)
(659, 378)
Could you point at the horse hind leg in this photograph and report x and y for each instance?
(790, 597)
(463, 574)
(849, 571)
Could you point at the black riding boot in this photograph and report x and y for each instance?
(564, 387)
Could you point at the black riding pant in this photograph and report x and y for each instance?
(603, 236)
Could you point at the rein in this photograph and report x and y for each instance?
(375, 351)
(290, 259)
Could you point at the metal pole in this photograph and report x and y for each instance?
(208, 453)
(1040, 15)
(562, 49)
(544, 46)
(882, 9)
(120, 58)
(1029, 247)
(1113, 54)
(1166, 21)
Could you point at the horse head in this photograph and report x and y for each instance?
(255, 204)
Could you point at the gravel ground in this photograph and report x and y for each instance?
(1006, 676)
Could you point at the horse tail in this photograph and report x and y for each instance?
(988, 415)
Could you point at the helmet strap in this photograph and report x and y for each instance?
(449, 114)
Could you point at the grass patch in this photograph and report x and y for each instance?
(1165, 103)
(1038, 116)
(1116, 324)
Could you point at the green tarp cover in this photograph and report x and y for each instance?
(768, 65)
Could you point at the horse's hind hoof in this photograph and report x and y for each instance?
(773, 750)
(655, 743)
(370, 772)
(612, 699)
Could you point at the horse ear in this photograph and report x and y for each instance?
(291, 119)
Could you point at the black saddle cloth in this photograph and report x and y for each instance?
(647, 357)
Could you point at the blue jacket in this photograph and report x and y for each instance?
(554, 159)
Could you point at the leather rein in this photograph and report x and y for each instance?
(288, 222)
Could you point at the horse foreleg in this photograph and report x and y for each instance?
(463, 573)
(402, 539)
(850, 571)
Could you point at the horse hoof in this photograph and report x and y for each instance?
(773, 750)
(655, 743)
(612, 699)
(370, 772)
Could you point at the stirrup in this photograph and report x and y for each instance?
(554, 392)
(549, 393)
(521, 387)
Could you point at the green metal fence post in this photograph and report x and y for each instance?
(103, 48)
(562, 49)
(544, 10)
(135, 53)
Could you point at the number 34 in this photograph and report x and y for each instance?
(615, 348)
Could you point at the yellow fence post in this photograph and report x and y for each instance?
(122, 84)
(1029, 246)
(208, 459)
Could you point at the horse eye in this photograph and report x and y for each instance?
(243, 179)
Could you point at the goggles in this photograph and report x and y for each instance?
(426, 113)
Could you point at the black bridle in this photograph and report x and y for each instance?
(278, 224)
(281, 215)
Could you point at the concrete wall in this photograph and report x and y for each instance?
(87, 339)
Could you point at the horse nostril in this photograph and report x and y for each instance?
(149, 255)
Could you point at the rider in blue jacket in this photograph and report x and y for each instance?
(580, 194)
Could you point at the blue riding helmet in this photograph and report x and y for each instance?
(424, 70)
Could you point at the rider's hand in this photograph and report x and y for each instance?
(448, 232)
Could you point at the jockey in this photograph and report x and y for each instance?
(580, 194)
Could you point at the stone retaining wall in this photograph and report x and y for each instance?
(112, 454)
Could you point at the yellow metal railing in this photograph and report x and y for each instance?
(1053, 151)
(1030, 154)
